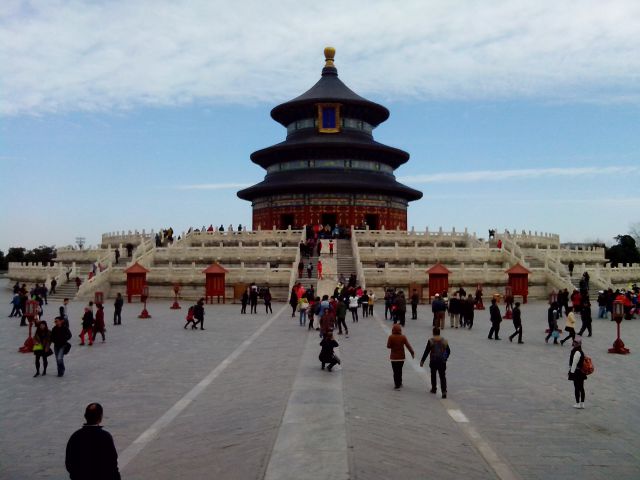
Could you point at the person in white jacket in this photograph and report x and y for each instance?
(576, 359)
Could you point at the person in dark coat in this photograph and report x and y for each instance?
(60, 336)
(293, 301)
(401, 308)
(267, 301)
(585, 315)
(438, 307)
(91, 453)
(576, 360)
(198, 314)
(244, 300)
(327, 355)
(253, 299)
(415, 300)
(117, 312)
(438, 350)
(98, 325)
(496, 318)
(517, 323)
(41, 346)
(87, 326)
(469, 313)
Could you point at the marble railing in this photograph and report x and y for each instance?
(432, 254)
(220, 254)
(134, 237)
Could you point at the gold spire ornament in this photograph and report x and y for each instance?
(329, 54)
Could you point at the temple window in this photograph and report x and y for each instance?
(329, 118)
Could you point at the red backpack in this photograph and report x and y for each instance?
(190, 314)
(587, 366)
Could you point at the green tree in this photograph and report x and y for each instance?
(16, 254)
(625, 251)
(4, 265)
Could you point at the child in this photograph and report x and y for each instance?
(326, 354)
(191, 319)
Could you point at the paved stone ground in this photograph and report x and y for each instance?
(238, 423)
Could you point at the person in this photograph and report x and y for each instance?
(372, 301)
(117, 309)
(401, 308)
(576, 360)
(309, 269)
(64, 309)
(87, 326)
(244, 300)
(571, 267)
(60, 336)
(190, 319)
(54, 284)
(319, 268)
(438, 350)
(91, 453)
(331, 247)
(98, 325)
(602, 304)
(570, 326)
(353, 307)
(415, 299)
(303, 306)
(469, 313)
(397, 343)
(585, 315)
(438, 308)
(42, 347)
(454, 311)
(293, 302)
(496, 318)
(300, 268)
(388, 301)
(15, 306)
(198, 314)
(341, 314)
(517, 323)
(553, 314)
(327, 355)
(253, 299)
(364, 302)
(267, 301)
(78, 283)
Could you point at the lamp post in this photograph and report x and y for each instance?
(618, 315)
(144, 296)
(508, 300)
(176, 292)
(31, 311)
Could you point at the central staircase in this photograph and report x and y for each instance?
(346, 263)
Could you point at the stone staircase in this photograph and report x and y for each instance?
(346, 263)
(304, 280)
(66, 290)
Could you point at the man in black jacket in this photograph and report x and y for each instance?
(91, 453)
(517, 324)
(496, 318)
(198, 314)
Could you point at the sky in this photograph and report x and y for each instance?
(136, 114)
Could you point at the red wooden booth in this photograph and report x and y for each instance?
(136, 280)
(519, 281)
(214, 284)
(438, 280)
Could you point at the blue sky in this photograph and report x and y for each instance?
(126, 115)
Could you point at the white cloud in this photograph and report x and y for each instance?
(67, 55)
(525, 173)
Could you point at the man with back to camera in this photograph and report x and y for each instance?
(91, 453)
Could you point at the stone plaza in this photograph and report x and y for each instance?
(246, 399)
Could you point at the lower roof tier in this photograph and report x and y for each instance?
(329, 181)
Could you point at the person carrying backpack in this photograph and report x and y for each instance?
(579, 367)
(439, 351)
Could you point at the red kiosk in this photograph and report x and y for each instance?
(519, 281)
(214, 284)
(438, 280)
(136, 280)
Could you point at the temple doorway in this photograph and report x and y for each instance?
(287, 219)
(372, 221)
(329, 219)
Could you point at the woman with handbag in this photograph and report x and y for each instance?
(60, 336)
(42, 347)
(576, 361)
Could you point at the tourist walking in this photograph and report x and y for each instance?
(244, 300)
(438, 350)
(98, 325)
(496, 317)
(42, 347)
(401, 308)
(438, 307)
(198, 314)
(60, 336)
(253, 299)
(293, 302)
(91, 453)
(469, 313)
(388, 302)
(303, 306)
(87, 326)
(585, 316)
(15, 306)
(454, 311)
(517, 323)
(331, 247)
(576, 361)
(415, 299)
(327, 355)
(319, 268)
(397, 342)
(571, 267)
(353, 307)
(364, 302)
(570, 326)
(64, 312)
(300, 268)
(54, 284)
(117, 309)
(309, 269)
(341, 314)
(553, 314)
(266, 296)
(372, 301)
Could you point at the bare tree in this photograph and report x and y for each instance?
(634, 231)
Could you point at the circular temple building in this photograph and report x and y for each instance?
(329, 169)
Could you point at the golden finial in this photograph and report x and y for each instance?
(329, 54)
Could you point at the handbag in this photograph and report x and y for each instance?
(66, 348)
(38, 347)
(48, 353)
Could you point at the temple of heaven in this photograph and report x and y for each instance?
(329, 170)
